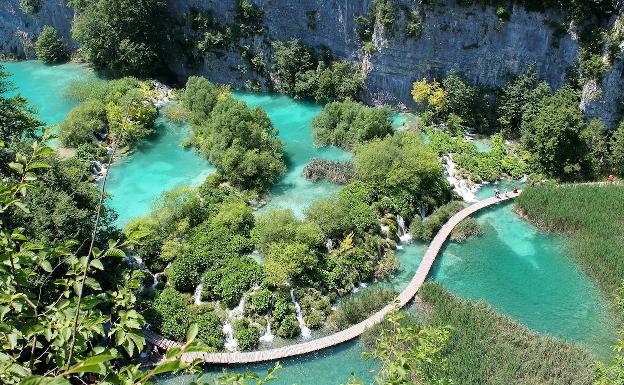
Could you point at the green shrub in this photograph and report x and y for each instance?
(289, 327)
(261, 301)
(466, 229)
(50, 47)
(169, 314)
(83, 123)
(228, 280)
(347, 124)
(30, 6)
(199, 97)
(433, 223)
(359, 307)
(414, 25)
(247, 335)
(210, 330)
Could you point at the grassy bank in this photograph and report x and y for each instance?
(592, 217)
(488, 348)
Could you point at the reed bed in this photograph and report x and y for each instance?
(592, 217)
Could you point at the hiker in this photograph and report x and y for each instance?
(496, 193)
(515, 190)
(506, 192)
(610, 179)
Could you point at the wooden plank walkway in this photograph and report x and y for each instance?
(352, 332)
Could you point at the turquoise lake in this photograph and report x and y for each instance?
(523, 272)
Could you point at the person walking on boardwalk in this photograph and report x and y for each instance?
(496, 193)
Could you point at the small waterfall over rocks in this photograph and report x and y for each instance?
(305, 331)
(99, 170)
(329, 245)
(404, 236)
(197, 295)
(230, 341)
(460, 186)
(267, 336)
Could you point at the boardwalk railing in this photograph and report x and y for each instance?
(352, 332)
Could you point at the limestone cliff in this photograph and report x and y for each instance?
(473, 41)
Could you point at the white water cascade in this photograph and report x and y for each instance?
(329, 245)
(230, 342)
(305, 331)
(267, 336)
(460, 186)
(197, 295)
(361, 285)
(99, 170)
(404, 236)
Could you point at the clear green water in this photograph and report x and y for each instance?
(520, 270)
(45, 86)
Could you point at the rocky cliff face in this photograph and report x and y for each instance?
(470, 40)
(19, 30)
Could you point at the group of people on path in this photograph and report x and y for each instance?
(497, 193)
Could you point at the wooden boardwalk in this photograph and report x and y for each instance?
(352, 332)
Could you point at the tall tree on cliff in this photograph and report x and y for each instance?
(123, 37)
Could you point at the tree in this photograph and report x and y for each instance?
(124, 37)
(432, 95)
(50, 47)
(199, 97)
(16, 117)
(84, 124)
(616, 157)
(242, 144)
(554, 137)
(58, 324)
(285, 261)
(402, 167)
(290, 59)
(347, 124)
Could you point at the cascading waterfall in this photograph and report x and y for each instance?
(460, 186)
(404, 236)
(99, 170)
(329, 245)
(305, 331)
(197, 295)
(267, 336)
(360, 285)
(230, 341)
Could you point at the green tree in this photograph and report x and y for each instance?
(554, 137)
(84, 124)
(125, 37)
(290, 59)
(286, 261)
(16, 117)
(403, 167)
(242, 144)
(50, 47)
(616, 157)
(199, 97)
(347, 124)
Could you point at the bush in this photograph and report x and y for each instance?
(247, 335)
(466, 229)
(261, 301)
(346, 124)
(169, 314)
(281, 225)
(289, 327)
(50, 47)
(199, 97)
(433, 223)
(414, 25)
(228, 280)
(210, 330)
(84, 124)
(30, 6)
(359, 307)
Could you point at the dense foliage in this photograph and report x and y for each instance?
(124, 37)
(405, 170)
(347, 124)
(239, 141)
(299, 73)
(117, 112)
(357, 308)
(50, 47)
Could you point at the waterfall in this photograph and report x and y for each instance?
(329, 245)
(230, 341)
(460, 186)
(404, 236)
(198, 294)
(305, 331)
(99, 170)
(267, 336)
(228, 330)
(360, 285)
(155, 276)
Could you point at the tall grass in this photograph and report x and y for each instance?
(488, 348)
(357, 308)
(593, 218)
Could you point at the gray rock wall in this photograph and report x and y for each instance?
(19, 30)
(470, 40)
